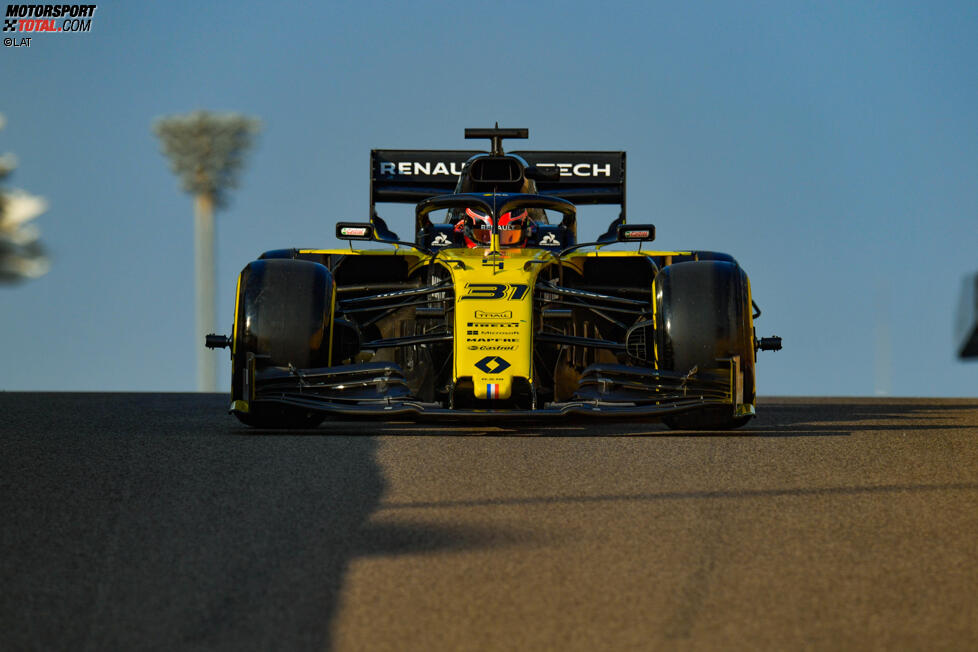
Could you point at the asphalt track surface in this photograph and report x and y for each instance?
(153, 521)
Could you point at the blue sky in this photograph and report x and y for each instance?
(830, 147)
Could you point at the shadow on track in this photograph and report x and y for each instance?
(135, 521)
(150, 522)
(687, 495)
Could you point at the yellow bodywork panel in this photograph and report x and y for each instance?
(494, 316)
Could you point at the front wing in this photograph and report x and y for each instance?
(380, 390)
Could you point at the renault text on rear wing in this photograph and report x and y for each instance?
(409, 176)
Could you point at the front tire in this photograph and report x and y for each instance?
(283, 318)
(703, 313)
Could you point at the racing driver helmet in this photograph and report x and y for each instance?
(476, 227)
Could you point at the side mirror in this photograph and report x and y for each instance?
(636, 232)
(354, 231)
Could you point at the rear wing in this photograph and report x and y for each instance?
(412, 175)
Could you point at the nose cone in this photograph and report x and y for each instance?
(494, 322)
(497, 344)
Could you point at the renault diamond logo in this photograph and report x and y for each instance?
(492, 364)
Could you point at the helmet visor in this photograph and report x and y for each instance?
(481, 231)
(511, 228)
(510, 236)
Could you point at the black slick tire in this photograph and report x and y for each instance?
(703, 312)
(283, 318)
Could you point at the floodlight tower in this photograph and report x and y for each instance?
(22, 255)
(206, 152)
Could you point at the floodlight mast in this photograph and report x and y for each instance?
(206, 151)
(22, 255)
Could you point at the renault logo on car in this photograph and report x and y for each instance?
(492, 364)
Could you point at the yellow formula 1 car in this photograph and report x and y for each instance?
(494, 309)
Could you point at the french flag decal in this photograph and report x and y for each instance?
(492, 390)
